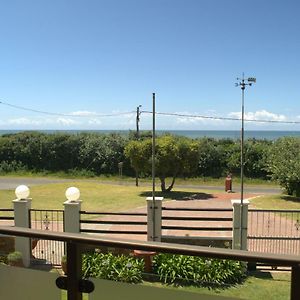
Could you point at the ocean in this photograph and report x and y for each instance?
(217, 134)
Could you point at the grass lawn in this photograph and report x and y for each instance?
(259, 285)
(95, 196)
(276, 202)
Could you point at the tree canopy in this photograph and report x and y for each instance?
(174, 156)
(283, 162)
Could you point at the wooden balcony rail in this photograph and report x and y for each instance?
(76, 241)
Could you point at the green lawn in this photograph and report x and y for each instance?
(275, 286)
(259, 285)
(276, 202)
(95, 196)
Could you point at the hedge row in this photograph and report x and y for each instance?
(100, 154)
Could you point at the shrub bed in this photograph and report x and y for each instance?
(113, 267)
(168, 268)
(197, 270)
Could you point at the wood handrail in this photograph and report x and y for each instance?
(209, 252)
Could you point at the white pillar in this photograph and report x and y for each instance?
(236, 233)
(245, 225)
(22, 219)
(154, 214)
(72, 216)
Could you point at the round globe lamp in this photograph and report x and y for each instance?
(22, 192)
(72, 193)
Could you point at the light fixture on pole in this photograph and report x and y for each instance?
(242, 82)
(72, 194)
(22, 192)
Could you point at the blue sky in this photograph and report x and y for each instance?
(101, 57)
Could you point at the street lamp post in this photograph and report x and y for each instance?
(153, 166)
(138, 113)
(242, 82)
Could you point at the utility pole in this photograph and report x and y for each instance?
(138, 113)
(153, 165)
(242, 83)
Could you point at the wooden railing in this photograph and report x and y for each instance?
(108, 221)
(8, 214)
(75, 285)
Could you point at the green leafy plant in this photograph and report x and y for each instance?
(113, 267)
(3, 259)
(11, 166)
(15, 259)
(196, 270)
(283, 162)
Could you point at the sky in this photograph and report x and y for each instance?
(76, 61)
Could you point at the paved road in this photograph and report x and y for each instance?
(10, 183)
(7, 183)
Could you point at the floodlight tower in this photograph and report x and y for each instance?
(242, 82)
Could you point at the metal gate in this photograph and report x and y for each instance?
(46, 250)
(274, 231)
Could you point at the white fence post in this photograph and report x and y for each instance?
(236, 227)
(245, 225)
(22, 218)
(72, 209)
(154, 215)
(72, 216)
(236, 233)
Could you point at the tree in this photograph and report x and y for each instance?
(174, 156)
(283, 162)
(102, 153)
(211, 158)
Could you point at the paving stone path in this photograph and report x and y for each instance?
(198, 200)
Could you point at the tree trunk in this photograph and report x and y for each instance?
(163, 184)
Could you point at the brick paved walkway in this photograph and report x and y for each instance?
(217, 200)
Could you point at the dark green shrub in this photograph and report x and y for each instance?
(15, 259)
(113, 267)
(3, 259)
(196, 270)
(11, 166)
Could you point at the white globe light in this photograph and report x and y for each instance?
(72, 193)
(22, 192)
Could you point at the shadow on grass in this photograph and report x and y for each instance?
(179, 283)
(290, 198)
(180, 196)
(261, 275)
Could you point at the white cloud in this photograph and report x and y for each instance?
(83, 113)
(197, 120)
(23, 121)
(259, 115)
(94, 122)
(65, 121)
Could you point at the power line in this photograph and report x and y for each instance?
(144, 111)
(220, 118)
(66, 115)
